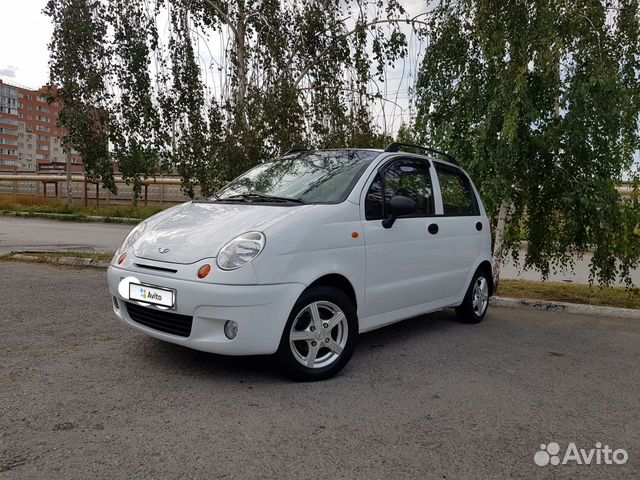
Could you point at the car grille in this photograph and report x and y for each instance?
(166, 322)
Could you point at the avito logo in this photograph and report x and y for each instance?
(145, 294)
(549, 454)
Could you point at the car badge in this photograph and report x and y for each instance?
(163, 250)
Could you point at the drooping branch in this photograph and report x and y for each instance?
(358, 28)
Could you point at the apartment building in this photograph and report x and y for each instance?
(30, 139)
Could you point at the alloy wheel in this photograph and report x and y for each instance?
(480, 296)
(318, 334)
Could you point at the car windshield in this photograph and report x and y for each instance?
(325, 176)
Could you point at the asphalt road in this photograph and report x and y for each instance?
(20, 234)
(81, 396)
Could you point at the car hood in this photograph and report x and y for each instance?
(193, 231)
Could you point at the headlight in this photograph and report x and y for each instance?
(241, 250)
(132, 238)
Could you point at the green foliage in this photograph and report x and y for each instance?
(293, 74)
(80, 70)
(31, 204)
(540, 102)
(137, 135)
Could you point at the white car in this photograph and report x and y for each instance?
(298, 256)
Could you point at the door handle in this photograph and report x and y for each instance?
(433, 228)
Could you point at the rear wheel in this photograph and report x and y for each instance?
(320, 335)
(476, 301)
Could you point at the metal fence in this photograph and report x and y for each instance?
(158, 190)
(155, 190)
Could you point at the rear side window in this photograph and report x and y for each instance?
(458, 198)
(407, 177)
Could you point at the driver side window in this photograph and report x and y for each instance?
(407, 177)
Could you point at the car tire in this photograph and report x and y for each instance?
(476, 301)
(320, 335)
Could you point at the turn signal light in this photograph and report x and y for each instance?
(122, 258)
(204, 270)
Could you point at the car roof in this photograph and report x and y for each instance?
(432, 155)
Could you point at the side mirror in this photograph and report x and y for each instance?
(400, 206)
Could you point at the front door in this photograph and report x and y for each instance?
(398, 259)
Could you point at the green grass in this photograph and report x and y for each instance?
(569, 292)
(30, 204)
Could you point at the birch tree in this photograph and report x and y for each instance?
(540, 100)
(209, 88)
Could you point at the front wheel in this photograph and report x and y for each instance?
(320, 335)
(476, 301)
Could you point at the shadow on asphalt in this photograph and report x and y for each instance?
(168, 356)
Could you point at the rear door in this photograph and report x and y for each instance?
(398, 259)
(461, 228)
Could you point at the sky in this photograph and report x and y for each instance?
(24, 57)
(24, 35)
(26, 32)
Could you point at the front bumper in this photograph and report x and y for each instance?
(261, 312)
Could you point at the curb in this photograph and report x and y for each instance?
(580, 308)
(70, 217)
(74, 261)
(504, 302)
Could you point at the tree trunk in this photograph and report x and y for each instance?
(69, 182)
(497, 244)
(241, 59)
(239, 28)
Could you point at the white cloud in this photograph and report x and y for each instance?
(9, 72)
(24, 36)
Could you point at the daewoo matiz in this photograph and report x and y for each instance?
(298, 256)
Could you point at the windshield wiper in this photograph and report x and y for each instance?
(251, 197)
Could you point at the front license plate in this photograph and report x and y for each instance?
(155, 295)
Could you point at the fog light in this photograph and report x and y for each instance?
(230, 329)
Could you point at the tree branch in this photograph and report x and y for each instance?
(226, 18)
(412, 20)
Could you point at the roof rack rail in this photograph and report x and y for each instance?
(395, 147)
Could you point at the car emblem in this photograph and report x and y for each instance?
(163, 250)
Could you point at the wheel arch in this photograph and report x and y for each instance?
(485, 266)
(338, 281)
